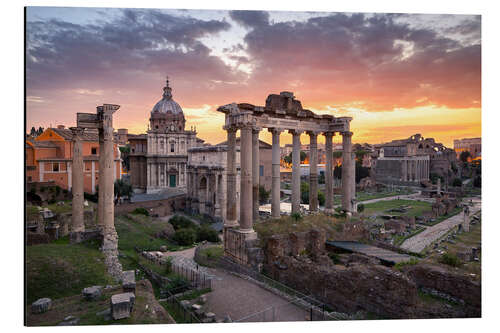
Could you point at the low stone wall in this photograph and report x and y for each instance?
(299, 261)
(156, 207)
(372, 288)
(439, 278)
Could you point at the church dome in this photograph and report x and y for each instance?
(167, 104)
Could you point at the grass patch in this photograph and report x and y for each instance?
(287, 224)
(380, 207)
(450, 259)
(194, 294)
(399, 266)
(59, 270)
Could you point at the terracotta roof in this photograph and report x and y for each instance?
(41, 144)
(66, 134)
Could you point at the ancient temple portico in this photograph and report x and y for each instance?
(282, 113)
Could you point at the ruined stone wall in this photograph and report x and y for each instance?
(451, 283)
(372, 288)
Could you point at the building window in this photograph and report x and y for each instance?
(94, 151)
(172, 148)
(29, 178)
(261, 171)
(55, 167)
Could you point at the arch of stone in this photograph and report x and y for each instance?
(282, 113)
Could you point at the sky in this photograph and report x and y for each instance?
(395, 74)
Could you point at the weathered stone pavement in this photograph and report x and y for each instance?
(419, 242)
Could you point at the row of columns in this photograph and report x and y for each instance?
(249, 184)
(415, 170)
(105, 205)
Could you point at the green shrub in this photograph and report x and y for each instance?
(180, 222)
(141, 210)
(457, 182)
(410, 262)
(477, 181)
(321, 198)
(207, 233)
(177, 284)
(296, 216)
(361, 208)
(168, 265)
(450, 259)
(335, 258)
(185, 236)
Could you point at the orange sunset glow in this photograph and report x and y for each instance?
(395, 74)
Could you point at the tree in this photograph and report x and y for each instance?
(122, 189)
(303, 156)
(337, 171)
(361, 171)
(125, 152)
(464, 156)
(477, 181)
(33, 131)
(457, 182)
(40, 130)
(263, 194)
(288, 158)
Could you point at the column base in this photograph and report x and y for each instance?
(231, 224)
(238, 243)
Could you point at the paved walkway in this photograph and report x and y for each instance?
(240, 298)
(419, 242)
(372, 251)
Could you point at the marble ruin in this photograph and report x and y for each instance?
(102, 120)
(281, 113)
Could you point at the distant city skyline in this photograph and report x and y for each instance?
(395, 74)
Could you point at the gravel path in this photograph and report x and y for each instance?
(419, 242)
(239, 298)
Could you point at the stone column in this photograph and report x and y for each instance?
(313, 171)
(255, 172)
(231, 218)
(276, 181)
(110, 237)
(347, 174)
(100, 184)
(246, 207)
(77, 222)
(403, 170)
(296, 171)
(329, 172)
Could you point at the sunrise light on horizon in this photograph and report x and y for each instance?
(395, 74)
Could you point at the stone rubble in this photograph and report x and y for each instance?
(41, 305)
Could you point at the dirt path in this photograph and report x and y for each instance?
(240, 298)
(419, 242)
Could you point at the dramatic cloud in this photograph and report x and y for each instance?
(250, 18)
(359, 64)
(369, 58)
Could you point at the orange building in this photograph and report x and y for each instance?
(49, 158)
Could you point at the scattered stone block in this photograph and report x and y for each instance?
(210, 316)
(120, 306)
(163, 248)
(128, 283)
(132, 299)
(92, 293)
(202, 299)
(69, 321)
(185, 304)
(196, 307)
(227, 319)
(41, 305)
